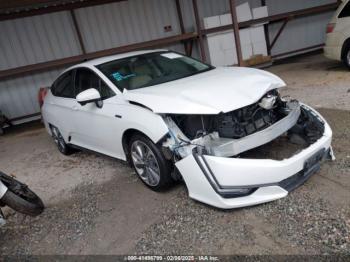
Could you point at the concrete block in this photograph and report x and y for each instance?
(227, 40)
(217, 58)
(225, 19)
(257, 34)
(211, 22)
(260, 49)
(244, 12)
(213, 41)
(260, 12)
(247, 51)
(245, 36)
(230, 57)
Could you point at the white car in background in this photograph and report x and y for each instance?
(338, 35)
(173, 117)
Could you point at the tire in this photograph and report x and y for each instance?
(346, 56)
(62, 146)
(20, 198)
(1, 131)
(151, 166)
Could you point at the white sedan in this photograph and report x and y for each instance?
(172, 117)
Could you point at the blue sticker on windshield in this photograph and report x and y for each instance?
(119, 77)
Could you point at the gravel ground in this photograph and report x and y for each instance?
(315, 81)
(60, 226)
(96, 205)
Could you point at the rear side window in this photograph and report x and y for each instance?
(345, 12)
(63, 86)
(86, 79)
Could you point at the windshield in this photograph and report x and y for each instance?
(151, 69)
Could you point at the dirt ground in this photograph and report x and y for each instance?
(96, 205)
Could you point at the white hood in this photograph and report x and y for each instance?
(212, 92)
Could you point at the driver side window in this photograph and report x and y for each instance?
(86, 79)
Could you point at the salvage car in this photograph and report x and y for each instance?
(173, 117)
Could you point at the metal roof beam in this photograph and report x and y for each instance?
(54, 8)
(277, 18)
(45, 66)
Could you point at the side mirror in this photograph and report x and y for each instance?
(89, 96)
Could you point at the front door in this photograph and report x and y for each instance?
(96, 126)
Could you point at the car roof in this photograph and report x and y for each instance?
(106, 59)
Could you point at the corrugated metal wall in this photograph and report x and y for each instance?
(28, 41)
(301, 32)
(119, 24)
(47, 37)
(37, 39)
(52, 36)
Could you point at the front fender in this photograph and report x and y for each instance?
(147, 122)
(143, 120)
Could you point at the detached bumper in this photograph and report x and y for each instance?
(233, 182)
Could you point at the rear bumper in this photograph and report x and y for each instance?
(333, 52)
(216, 180)
(334, 45)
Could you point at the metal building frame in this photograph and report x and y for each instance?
(187, 38)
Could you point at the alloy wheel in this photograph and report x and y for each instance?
(145, 163)
(59, 141)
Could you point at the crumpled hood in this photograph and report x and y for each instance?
(218, 90)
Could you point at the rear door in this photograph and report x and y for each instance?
(60, 105)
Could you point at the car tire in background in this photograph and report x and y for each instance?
(149, 163)
(62, 146)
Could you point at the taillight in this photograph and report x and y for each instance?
(41, 95)
(330, 28)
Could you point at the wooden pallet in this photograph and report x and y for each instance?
(257, 60)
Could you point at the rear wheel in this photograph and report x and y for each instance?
(346, 57)
(149, 163)
(59, 141)
(20, 198)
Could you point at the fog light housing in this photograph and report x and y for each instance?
(234, 193)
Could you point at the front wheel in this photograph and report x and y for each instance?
(149, 163)
(20, 198)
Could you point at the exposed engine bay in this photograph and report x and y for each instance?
(230, 134)
(235, 124)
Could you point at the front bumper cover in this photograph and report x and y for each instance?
(220, 181)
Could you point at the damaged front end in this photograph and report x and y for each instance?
(216, 154)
